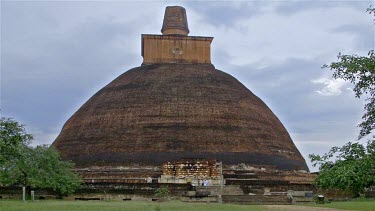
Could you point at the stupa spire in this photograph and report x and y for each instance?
(175, 21)
(175, 46)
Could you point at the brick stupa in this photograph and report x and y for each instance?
(176, 106)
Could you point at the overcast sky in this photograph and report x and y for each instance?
(56, 55)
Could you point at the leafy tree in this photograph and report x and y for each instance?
(13, 147)
(50, 172)
(349, 168)
(360, 71)
(38, 167)
(352, 166)
(13, 139)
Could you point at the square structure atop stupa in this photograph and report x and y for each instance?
(175, 46)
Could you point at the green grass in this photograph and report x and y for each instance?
(360, 204)
(55, 205)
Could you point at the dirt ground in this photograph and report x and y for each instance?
(298, 208)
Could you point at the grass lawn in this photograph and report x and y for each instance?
(55, 205)
(361, 204)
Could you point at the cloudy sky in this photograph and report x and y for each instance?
(56, 54)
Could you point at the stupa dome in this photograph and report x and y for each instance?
(176, 105)
(157, 113)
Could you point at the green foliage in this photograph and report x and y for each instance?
(360, 71)
(13, 149)
(48, 171)
(349, 168)
(38, 167)
(352, 166)
(163, 191)
(13, 138)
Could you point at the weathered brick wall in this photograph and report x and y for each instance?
(194, 168)
(132, 189)
(176, 49)
(129, 174)
(292, 177)
(158, 113)
(256, 199)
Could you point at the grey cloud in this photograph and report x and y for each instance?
(293, 7)
(48, 73)
(227, 13)
(310, 118)
(288, 91)
(365, 35)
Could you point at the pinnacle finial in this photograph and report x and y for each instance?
(175, 21)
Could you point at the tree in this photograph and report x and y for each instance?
(352, 166)
(349, 168)
(48, 171)
(360, 71)
(37, 167)
(13, 139)
(13, 147)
